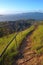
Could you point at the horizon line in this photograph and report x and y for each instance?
(21, 13)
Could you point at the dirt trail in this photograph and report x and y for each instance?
(26, 55)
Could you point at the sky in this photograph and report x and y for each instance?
(20, 6)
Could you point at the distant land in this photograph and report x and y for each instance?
(30, 15)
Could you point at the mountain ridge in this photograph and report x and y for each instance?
(29, 15)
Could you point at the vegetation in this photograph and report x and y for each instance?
(12, 26)
(12, 49)
(37, 40)
(8, 32)
(4, 41)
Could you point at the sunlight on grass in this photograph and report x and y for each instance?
(37, 39)
(4, 41)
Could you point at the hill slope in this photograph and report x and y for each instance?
(31, 52)
(37, 39)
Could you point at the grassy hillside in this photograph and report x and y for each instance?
(37, 40)
(4, 41)
(12, 50)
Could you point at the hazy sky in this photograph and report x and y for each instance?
(20, 6)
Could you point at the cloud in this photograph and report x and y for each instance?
(2, 11)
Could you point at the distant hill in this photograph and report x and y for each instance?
(30, 15)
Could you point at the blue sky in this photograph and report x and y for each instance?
(20, 6)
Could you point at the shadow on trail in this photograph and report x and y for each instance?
(22, 46)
